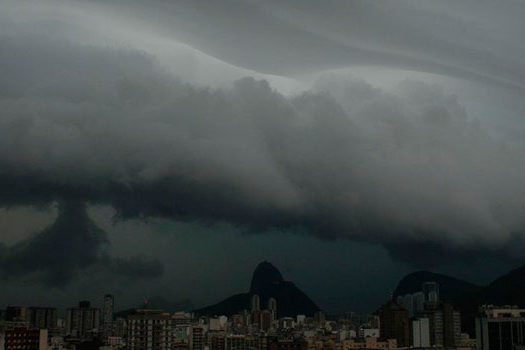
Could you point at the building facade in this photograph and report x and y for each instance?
(394, 324)
(25, 338)
(149, 330)
(500, 328)
(83, 321)
(421, 333)
(197, 340)
(107, 315)
(42, 317)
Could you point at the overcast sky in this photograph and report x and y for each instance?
(164, 148)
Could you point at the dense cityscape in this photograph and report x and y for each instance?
(412, 321)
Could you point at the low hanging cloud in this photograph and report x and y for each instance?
(71, 244)
(93, 124)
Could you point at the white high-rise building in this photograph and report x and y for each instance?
(421, 333)
(301, 319)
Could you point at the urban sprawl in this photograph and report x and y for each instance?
(413, 321)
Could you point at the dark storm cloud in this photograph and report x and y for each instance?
(72, 243)
(346, 160)
(135, 267)
(93, 123)
(431, 254)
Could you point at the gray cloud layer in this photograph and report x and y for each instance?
(109, 126)
(477, 40)
(70, 244)
(405, 168)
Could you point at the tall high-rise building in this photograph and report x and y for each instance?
(394, 323)
(272, 306)
(109, 302)
(255, 309)
(415, 303)
(408, 303)
(445, 324)
(83, 321)
(107, 315)
(196, 338)
(266, 321)
(42, 317)
(451, 326)
(419, 302)
(421, 333)
(121, 327)
(149, 329)
(320, 318)
(431, 291)
(500, 328)
(256, 303)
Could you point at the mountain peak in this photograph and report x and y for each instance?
(267, 282)
(450, 287)
(265, 276)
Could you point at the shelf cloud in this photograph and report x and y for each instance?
(94, 122)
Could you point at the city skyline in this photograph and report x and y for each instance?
(252, 326)
(427, 311)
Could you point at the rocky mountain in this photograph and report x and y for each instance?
(451, 289)
(267, 282)
(467, 297)
(505, 290)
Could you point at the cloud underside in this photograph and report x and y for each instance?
(93, 124)
(71, 244)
